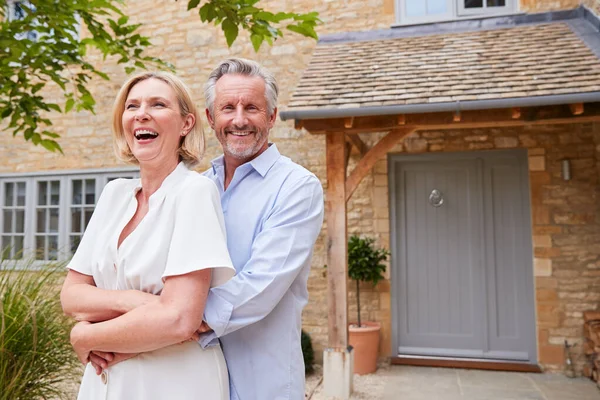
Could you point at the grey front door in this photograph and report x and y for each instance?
(462, 269)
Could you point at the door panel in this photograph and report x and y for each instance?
(509, 284)
(462, 271)
(441, 276)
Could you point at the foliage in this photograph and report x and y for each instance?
(365, 263)
(45, 47)
(235, 14)
(35, 354)
(307, 352)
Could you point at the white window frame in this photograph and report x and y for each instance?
(456, 11)
(65, 205)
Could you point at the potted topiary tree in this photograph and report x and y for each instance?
(365, 264)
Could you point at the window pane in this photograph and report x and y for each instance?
(54, 192)
(20, 222)
(41, 220)
(40, 247)
(496, 3)
(42, 193)
(416, 8)
(18, 248)
(436, 7)
(5, 247)
(90, 191)
(7, 223)
(8, 194)
(473, 3)
(21, 193)
(88, 216)
(76, 195)
(53, 220)
(52, 247)
(75, 243)
(75, 220)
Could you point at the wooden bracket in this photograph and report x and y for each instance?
(372, 156)
(298, 124)
(576, 109)
(401, 120)
(348, 122)
(358, 143)
(516, 113)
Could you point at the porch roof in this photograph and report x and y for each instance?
(516, 65)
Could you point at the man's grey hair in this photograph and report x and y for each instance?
(244, 67)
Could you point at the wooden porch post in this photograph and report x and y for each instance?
(337, 258)
(337, 358)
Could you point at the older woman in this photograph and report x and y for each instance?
(153, 248)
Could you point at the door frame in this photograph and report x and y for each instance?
(395, 192)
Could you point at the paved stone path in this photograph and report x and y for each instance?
(423, 383)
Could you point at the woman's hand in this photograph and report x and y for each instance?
(77, 335)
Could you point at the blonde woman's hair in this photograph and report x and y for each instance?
(191, 148)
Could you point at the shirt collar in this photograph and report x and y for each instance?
(261, 164)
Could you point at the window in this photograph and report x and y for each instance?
(418, 11)
(18, 10)
(43, 217)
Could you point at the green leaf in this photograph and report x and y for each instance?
(256, 41)
(51, 145)
(304, 30)
(193, 4)
(231, 31)
(69, 105)
(123, 20)
(54, 107)
(265, 16)
(6, 113)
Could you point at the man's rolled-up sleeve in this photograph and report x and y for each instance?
(279, 252)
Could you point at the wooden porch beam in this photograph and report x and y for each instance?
(547, 115)
(372, 156)
(577, 108)
(337, 245)
(358, 143)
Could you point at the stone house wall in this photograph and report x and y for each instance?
(593, 5)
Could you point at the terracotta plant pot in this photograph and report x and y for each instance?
(365, 341)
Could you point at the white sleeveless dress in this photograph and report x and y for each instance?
(184, 231)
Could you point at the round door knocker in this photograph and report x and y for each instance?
(436, 198)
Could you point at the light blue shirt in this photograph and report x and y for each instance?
(273, 214)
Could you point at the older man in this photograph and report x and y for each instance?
(273, 212)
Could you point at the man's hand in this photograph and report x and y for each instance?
(204, 328)
(101, 360)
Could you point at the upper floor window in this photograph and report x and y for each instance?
(18, 10)
(43, 217)
(418, 11)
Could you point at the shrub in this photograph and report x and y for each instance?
(307, 352)
(365, 263)
(36, 358)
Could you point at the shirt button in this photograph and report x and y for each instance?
(104, 377)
